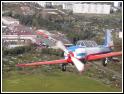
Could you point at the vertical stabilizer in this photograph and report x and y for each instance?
(108, 39)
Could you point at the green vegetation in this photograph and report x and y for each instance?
(53, 82)
(51, 51)
(50, 77)
(27, 54)
(17, 50)
(83, 26)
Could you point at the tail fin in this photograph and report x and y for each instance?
(108, 39)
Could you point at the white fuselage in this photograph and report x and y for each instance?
(82, 52)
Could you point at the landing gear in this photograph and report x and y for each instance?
(105, 61)
(63, 67)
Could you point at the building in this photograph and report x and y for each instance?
(117, 4)
(120, 35)
(47, 4)
(67, 6)
(91, 8)
(8, 20)
(51, 38)
(18, 35)
(26, 10)
(42, 4)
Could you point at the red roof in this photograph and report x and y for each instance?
(19, 30)
(43, 34)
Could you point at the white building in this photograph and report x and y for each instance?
(91, 8)
(68, 6)
(43, 4)
(117, 4)
(77, 8)
(81, 8)
(120, 34)
(9, 21)
(57, 3)
(19, 37)
(19, 33)
(106, 9)
(13, 46)
(99, 9)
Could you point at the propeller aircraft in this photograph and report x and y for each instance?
(79, 54)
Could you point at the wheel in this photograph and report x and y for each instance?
(63, 67)
(105, 62)
(84, 61)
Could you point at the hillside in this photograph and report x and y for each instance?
(96, 78)
(110, 75)
(83, 26)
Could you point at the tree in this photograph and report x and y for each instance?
(16, 50)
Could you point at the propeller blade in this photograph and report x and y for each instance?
(60, 45)
(79, 65)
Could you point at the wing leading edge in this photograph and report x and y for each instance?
(89, 58)
(43, 63)
(101, 56)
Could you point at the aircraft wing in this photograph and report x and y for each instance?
(43, 63)
(101, 56)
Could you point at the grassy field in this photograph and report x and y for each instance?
(53, 82)
(51, 78)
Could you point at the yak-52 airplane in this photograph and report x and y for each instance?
(79, 54)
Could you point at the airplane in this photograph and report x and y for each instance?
(78, 55)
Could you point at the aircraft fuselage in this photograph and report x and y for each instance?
(83, 52)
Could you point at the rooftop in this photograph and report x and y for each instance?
(9, 18)
(19, 29)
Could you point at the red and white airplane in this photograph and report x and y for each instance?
(82, 52)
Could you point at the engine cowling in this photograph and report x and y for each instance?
(78, 53)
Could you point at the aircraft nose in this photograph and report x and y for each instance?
(71, 54)
(68, 56)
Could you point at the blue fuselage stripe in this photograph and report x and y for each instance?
(81, 54)
(89, 50)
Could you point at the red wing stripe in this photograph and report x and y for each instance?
(43, 63)
(100, 56)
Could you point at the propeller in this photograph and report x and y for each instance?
(79, 65)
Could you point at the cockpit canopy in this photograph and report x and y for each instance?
(86, 43)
